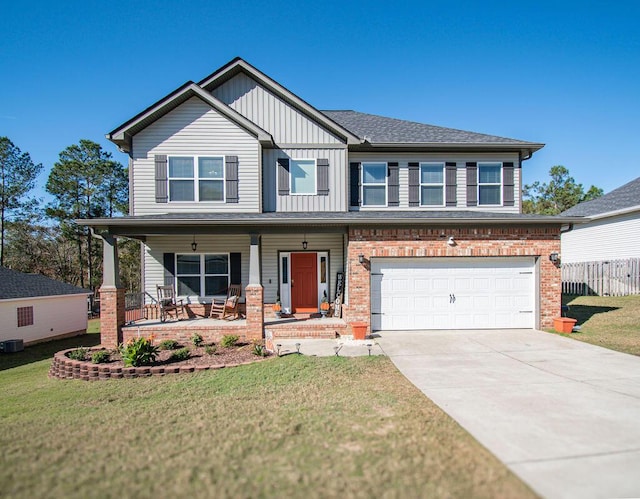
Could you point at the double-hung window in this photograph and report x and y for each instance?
(432, 184)
(196, 178)
(202, 274)
(303, 176)
(374, 184)
(490, 184)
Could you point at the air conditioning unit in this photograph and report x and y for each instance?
(11, 346)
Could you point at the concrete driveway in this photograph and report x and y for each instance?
(561, 414)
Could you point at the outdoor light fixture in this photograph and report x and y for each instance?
(451, 241)
(361, 258)
(298, 347)
(368, 345)
(554, 257)
(304, 242)
(278, 346)
(194, 244)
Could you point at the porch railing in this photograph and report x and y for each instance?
(137, 305)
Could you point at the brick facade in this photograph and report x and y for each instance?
(481, 241)
(255, 311)
(112, 316)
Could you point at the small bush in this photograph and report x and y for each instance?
(259, 350)
(100, 357)
(210, 349)
(138, 352)
(181, 354)
(229, 340)
(196, 339)
(78, 354)
(168, 345)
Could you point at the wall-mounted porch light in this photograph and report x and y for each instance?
(554, 258)
(360, 258)
(194, 244)
(304, 242)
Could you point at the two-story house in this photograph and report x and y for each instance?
(235, 179)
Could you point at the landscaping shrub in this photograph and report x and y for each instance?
(196, 339)
(259, 350)
(229, 340)
(182, 354)
(138, 352)
(168, 345)
(100, 357)
(78, 354)
(210, 349)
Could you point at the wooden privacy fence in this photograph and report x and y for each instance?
(604, 278)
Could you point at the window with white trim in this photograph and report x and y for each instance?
(302, 176)
(490, 184)
(202, 274)
(190, 183)
(432, 184)
(374, 184)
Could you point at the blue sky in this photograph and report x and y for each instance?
(563, 73)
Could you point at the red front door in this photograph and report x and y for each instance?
(304, 282)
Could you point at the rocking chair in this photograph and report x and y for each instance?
(168, 303)
(229, 308)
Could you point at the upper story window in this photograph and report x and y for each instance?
(303, 176)
(489, 184)
(374, 184)
(206, 272)
(432, 184)
(188, 183)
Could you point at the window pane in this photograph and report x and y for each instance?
(210, 168)
(374, 196)
(489, 174)
(323, 269)
(374, 173)
(489, 194)
(303, 176)
(181, 190)
(189, 286)
(188, 264)
(211, 190)
(285, 270)
(431, 174)
(181, 167)
(216, 264)
(432, 195)
(215, 285)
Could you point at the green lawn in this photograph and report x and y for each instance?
(288, 427)
(607, 321)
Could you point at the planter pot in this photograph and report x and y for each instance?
(359, 330)
(564, 324)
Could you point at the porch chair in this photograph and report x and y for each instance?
(168, 303)
(228, 309)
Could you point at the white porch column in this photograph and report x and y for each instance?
(254, 260)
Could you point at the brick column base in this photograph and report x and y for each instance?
(111, 316)
(255, 311)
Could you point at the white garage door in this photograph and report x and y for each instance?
(452, 293)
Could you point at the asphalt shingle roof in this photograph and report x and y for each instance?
(380, 129)
(623, 197)
(15, 284)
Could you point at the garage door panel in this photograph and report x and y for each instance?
(416, 293)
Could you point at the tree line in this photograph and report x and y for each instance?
(86, 182)
(43, 238)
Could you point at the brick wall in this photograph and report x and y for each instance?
(534, 240)
(112, 316)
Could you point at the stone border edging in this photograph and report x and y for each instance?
(63, 367)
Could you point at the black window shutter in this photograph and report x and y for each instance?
(354, 184)
(507, 184)
(231, 179)
(283, 176)
(235, 270)
(414, 184)
(451, 194)
(472, 184)
(394, 184)
(323, 176)
(169, 263)
(161, 178)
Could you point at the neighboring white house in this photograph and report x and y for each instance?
(34, 307)
(603, 254)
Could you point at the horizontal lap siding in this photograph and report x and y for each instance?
(338, 187)
(271, 244)
(156, 246)
(460, 159)
(286, 124)
(613, 238)
(194, 128)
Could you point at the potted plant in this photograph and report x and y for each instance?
(277, 307)
(324, 305)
